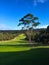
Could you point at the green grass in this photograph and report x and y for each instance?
(11, 54)
(13, 48)
(28, 56)
(19, 48)
(17, 40)
(24, 55)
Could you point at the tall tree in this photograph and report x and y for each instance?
(29, 21)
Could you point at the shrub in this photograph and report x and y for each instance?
(43, 36)
(6, 36)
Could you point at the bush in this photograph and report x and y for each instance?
(6, 36)
(47, 29)
(43, 36)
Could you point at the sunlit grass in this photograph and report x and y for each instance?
(13, 48)
(21, 55)
(19, 48)
(17, 40)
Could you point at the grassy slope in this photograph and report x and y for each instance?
(23, 55)
(17, 40)
(9, 46)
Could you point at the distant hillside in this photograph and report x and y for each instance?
(20, 31)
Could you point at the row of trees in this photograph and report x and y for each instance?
(6, 36)
(9, 34)
(43, 36)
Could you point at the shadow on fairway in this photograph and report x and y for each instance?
(32, 57)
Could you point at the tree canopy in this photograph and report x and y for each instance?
(29, 21)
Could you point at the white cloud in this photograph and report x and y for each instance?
(2, 26)
(43, 26)
(5, 27)
(38, 1)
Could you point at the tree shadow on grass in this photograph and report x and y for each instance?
(21, 45)
(23, 41)
(32, 57)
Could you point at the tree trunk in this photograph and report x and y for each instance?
(30, 36)
(30, 39)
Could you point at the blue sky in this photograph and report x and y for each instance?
(13, 10)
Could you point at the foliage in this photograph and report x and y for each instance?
(6, 36)
(17, 40)
(47, 29)
(33, 34)
(43, 36)
(29, 21)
